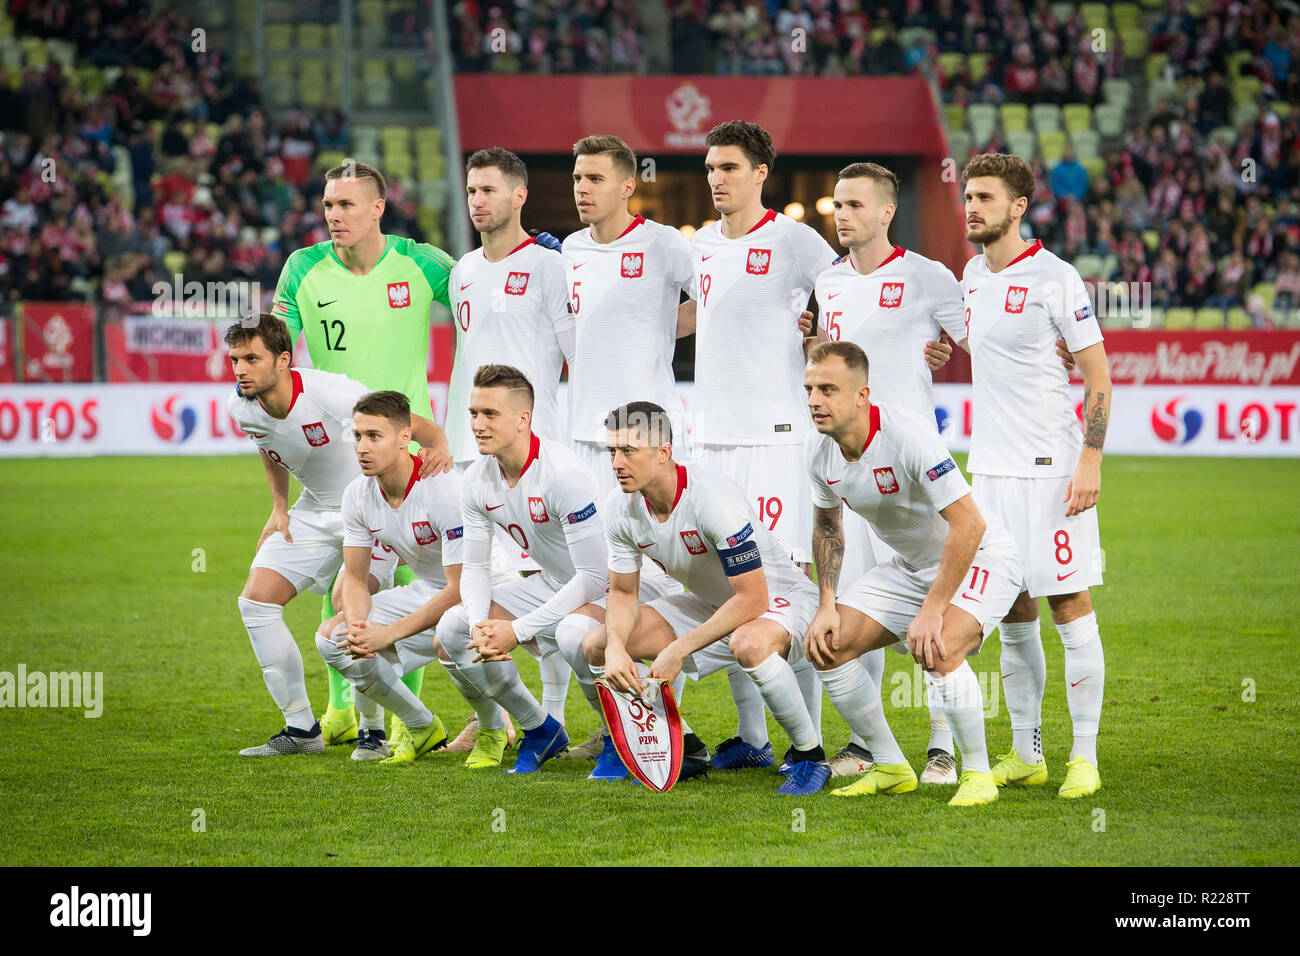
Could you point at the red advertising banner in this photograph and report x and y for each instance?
(672, 114)
(1156, 357)
(58, 342)
(6, 349)
(146, 349)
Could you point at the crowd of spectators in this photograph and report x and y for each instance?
(233, 203)
(547, 36)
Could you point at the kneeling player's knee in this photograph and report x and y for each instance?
(569, 636)
(453, 629)
(593, 646)
(332, 655)
(750, 647)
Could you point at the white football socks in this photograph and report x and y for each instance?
(784, 698)
(957, 696)
(810, 688)
(281, 661)
(1085, 681)
(751, 721)
(858, 701)
(377, 679)
(874, 662)
(498, 680)
(371, 714)
(555, 683)
(488, 710)
(940, 731)
(1024, 678)
(569, 635)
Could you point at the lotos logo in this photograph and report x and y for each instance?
(632, 265)
(315, 434)
(399, 295)
(1016, 296)
(517, 283)
(758, 261)
(172, 424)
(891, 295)
(1171, 424)
(423, 532)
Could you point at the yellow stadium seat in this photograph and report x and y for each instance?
(1077, 116)
(1095, 165)
(1086, 142)
(1156, 64)
(1118, 90)
(311, 36)
(1094, 15)
(1238, 318)
(279, 36)
(1180, 318)
(1281, 107)
(396, 138)
(979, 66)
(1051, 144)
(1015, 117)
(1209, 318)
(951, 63)
(1135, 42)
(1023, 143)
(955, 115)
(1245, 89)
(1125, 14)
(1266, 291)
(1047, 116)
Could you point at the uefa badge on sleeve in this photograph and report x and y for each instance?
(647, 731)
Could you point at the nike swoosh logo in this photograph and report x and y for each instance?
(1062, 577)
(829, 297)
(466, 286)
(495, 507)
(970, 291)
(1012, 674)
(321, 305)
(707, 258)
(578, 265)
(835, 481)
(374, 530)
(971, 597)
(645, 545)
(1076, 683)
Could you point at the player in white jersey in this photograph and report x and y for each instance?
(747, 603)
(754, 272)
(510, 302)
(953, 575)
(895, 304)
(542, 495)
(1028, 459)
(301, 421)
(626, 278)
(373, 642)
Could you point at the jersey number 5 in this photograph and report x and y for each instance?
(339, 329)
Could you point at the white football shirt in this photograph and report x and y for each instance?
(314, 440)
(425, 531)
(514, 312)
(1024, 424)
(709, 537)
(550, 507)
(749, 358)
(624, 296)
(891, 313)
(904, 478)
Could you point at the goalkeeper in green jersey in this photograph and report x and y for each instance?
(362, 300)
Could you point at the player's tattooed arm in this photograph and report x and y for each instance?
(828, 548)
(1096, 415)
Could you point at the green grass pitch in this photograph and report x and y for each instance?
(1199, 735)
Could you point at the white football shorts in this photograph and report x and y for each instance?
(776, 483)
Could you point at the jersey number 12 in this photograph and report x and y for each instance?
(338, 345)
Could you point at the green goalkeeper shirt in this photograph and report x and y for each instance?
(372, 328)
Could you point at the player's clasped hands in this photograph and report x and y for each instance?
(823, 636)
(434, 462)
(494, 640)
(365, 639)
(924, 638)
(937, 354)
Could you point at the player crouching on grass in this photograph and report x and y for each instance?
(377, 640)
(954, 574)
(748, 602)
(301, 420)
